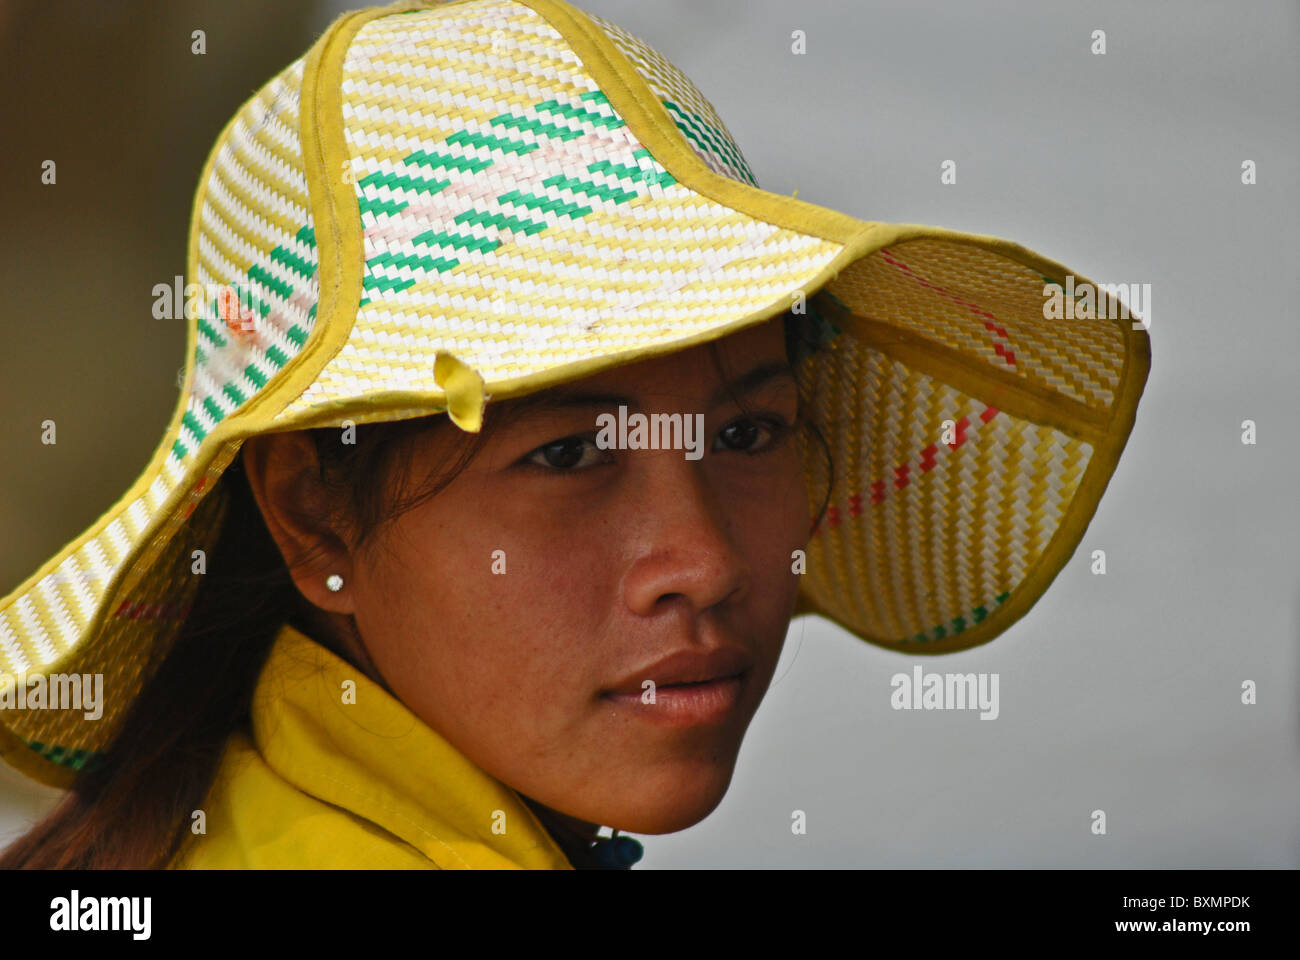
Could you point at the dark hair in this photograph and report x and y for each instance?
(132, 810)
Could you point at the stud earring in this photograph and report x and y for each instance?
(334, 583)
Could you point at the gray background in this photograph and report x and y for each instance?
(1119, 692)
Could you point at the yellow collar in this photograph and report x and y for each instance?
(333, 733)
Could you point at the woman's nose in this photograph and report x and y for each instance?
(684, 548)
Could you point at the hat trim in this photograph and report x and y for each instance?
(1022, 399)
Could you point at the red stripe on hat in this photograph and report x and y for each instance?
(194, 498)
(990, 323)
(924, 461)
(960, 430)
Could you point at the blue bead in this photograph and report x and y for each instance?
(628, 851)
(617, 852)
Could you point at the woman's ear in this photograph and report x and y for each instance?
(283, 474)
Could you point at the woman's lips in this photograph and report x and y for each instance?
(691, 686)
(684, 704)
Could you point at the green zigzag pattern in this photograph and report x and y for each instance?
(957, 624)
(579, 121)
(76, 759)
(709, 138)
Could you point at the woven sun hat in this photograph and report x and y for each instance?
(442, 205)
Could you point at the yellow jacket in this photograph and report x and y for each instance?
(327, 783)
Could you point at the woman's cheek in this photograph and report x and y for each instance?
(775, 518)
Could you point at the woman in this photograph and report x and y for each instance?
(518, 424)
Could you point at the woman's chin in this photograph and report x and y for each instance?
(668, 800)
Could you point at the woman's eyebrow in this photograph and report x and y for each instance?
(565, 399)
(749, 382)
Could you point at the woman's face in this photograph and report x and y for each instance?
(521, 611)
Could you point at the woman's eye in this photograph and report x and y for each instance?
(748, 436)
(570, 453)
